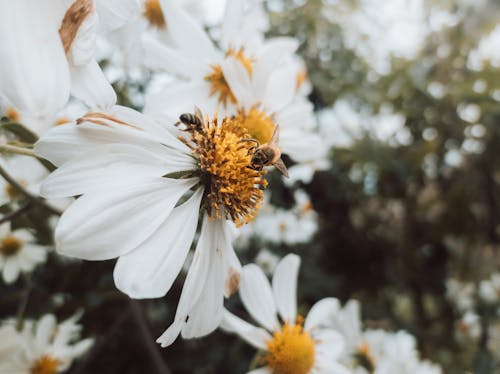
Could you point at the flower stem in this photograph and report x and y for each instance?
(17, 150)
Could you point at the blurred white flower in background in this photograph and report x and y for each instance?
(42, 346)
(19, 252)
(295, 344)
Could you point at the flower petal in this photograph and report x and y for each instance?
(257, 297)
(285, 287)
(322, 313)
(238, 79)
(280, 89)
(263, 370)
(111, 223)
(231, 24)
(89, 84)
(150, 270)
(256, 336)
(114, 14)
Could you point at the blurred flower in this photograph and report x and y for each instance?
(469, 325)
(141, 192)
(267, 260)
(489, 289)
(461, 294)
(42, 346)
(18, 252)
(295, 345)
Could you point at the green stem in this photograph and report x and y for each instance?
(17, 150)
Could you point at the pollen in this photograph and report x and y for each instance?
(259, 125)
(233, 189)
(365, 358)
(291, 350)
(10, 245)
(154, 14)
(13, 114)
(45, 365)
(300, 79)
(218, 83)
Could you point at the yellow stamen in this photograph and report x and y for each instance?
(233, 189)
(259, 125)
(10, 245)
(219, 85)
(300, 78)
(154, 14)
(45, 365)
(291, 350)
(365, 357)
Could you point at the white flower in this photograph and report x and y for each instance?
(489, 289)
(267, 260)
(26, 171)
(47, 52)
(462, 294)
(42, 346)
(292, 345)
(141, 190)
(18, 253)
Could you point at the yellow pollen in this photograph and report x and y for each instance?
(45, 365)
(365, 357)
(291, 350)
(12, 193)
(233, 189)
(259, 125)
(300, 79)
(154, 14)
(10, 245)
(12, 114)
(219, 85)
(61, 121)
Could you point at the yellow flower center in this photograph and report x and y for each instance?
(291, 350)
(12, 193)
(45, 365)
(233, 189)
(154, 14)
(10, 245)
(219, 85)
(258, 124)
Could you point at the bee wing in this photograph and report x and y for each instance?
(276, 136)
(199, 114)
(280, 165)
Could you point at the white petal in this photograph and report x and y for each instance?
(45, 327)
(280, 89)
(116, 13)
(34, 76)
(231, 25)
(238, 79)
(89, 84)
(150, 270)
(186, 32)
(330, 343)
(301, 145)
(10, 271)
(107, 168)
(274, 52)
(257, 297)
(322, 313)
(285, 287)
(202, 294)
(256, 336)
(112, 223)
(160, 57)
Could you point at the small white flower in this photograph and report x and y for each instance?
(18, 253)
(42, 346)
(267, 260)
(489, 289)
(292, 345)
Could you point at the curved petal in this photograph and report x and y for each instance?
(187, 33)
(34, 76)
(238, 80)
(89, 84)
(257, 297)
(10, 271)
(280, 89)
(322, 313)
(263, 370)
(199, 311)
(109, 167)
(109, 224)
(150, 270)
(231, 24)
(330, 344)
(285, 287)
(256, 336)
(114, 14)
(45, 328)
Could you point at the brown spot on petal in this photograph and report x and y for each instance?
(73, 19)
(232, 282)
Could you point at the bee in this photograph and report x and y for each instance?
(193, 122)
(268, 154)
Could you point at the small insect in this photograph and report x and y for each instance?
(193, 122)
(268, 154)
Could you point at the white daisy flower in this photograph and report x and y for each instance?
(293, 345)
(141, 191)
(18, 253)
(42, 346)
(47, 51)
